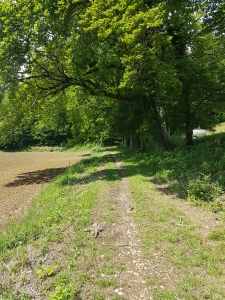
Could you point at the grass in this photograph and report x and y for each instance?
(50, 250)
(195, 261)
(196, 175)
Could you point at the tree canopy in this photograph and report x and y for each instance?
(117, 68)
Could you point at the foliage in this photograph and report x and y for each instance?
(202, 189)
(47, 126)
(196, 172)
(45, 271)
(80, 71)
(119, 69)
(62, 293)
(214, 16)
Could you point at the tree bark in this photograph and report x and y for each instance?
(158, 131)
(188, 124)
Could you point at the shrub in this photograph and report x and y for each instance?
(203, 189)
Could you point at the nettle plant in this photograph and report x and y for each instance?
(202, 188)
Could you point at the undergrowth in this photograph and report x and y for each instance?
(188, 265)
(195, 173)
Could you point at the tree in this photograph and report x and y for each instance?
(23, 123)
(141, 55)
(214, 16)
(86, 54)
(198, 62)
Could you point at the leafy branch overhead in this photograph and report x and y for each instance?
(162, 60)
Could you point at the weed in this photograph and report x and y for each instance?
(73, 255)
(105, 282)
(45, 271)
(162, 295)
(83, 277)
(217, 235)
(62, 292)
(25, 296)
(162, 177)
(44, 248)
(107, 269)
(218, 205)
(6, 293)
(202, 188)
(97, 296)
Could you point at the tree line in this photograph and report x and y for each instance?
(94, 70)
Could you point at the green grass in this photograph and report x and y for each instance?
(195, 173)
(65, 255)
(54, 227)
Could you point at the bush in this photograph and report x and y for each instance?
(176, 142)
(203, 189)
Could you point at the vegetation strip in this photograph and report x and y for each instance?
(185, 258)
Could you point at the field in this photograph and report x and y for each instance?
(24, 174)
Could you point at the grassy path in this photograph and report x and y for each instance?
(179, 240)
(121, 267)
(103, 230)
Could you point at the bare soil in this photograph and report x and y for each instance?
(24, 174)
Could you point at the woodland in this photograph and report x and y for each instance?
(97, 71)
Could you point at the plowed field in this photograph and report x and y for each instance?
(24, 174)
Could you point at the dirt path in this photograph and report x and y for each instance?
(121, 242)
(132, 278)
(24, 174)
(120, 257)
(138, 275)
(137, 267)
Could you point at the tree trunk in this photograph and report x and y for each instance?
(188, 124)
(131, 142)
(159, 134)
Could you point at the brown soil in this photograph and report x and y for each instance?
(24, 174)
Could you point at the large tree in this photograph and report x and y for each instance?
(143, 55)
(198, 58)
